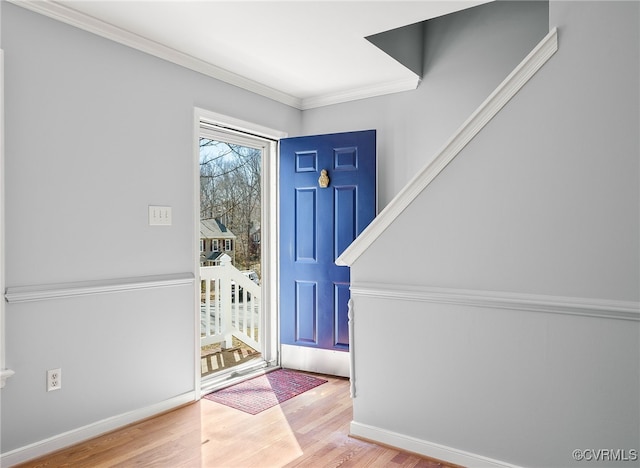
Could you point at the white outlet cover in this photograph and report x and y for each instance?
(159, 215)
(54, 379)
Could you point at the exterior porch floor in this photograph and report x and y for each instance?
(215, 358)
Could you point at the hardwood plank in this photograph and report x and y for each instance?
(310, 430)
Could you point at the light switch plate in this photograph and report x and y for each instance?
(159, 215)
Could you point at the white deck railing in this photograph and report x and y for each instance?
(229, 306)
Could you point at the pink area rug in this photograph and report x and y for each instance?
(260, 393)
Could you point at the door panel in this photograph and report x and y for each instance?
(306, 322)
(341, 295)
(305, 225)
(316, 225)
(344, 218)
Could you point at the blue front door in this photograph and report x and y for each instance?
(317, 222)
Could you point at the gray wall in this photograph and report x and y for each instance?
(539, 203)
(96, 132)
(550, 192)
(544, 201)
(466, 56)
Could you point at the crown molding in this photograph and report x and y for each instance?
(64, 14)
(379, 89)
(469, 129)
(101, 28)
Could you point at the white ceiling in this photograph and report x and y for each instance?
(303, 53)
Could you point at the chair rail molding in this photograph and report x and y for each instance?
(602, 308)
(467, 131)
(85, 288)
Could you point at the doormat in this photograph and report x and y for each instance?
(260, 393)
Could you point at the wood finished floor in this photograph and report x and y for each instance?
(310, 430)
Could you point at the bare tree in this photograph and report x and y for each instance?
(230, 191)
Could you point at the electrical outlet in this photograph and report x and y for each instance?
(54, 379)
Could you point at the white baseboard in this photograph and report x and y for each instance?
(67, 439)
(425, 448)
(321, 361)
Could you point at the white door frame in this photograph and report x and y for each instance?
(270, 220)
(4, 373)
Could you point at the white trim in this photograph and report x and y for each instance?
(425, 448)
(378, 89)
(88, 23)
(231, 126)
(84, 288)
(67, 439)
(233, 123)
(236, 375)
(321, 361)
(474, 124)
(197, 370)
(352, 348)
(4, 373)
(270, 255)
(609, 309)
(67, 15)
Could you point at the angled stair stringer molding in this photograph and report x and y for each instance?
(423, 447)
(469, 129)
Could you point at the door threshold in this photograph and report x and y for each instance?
(236, 375)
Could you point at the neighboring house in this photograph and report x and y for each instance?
(217, 243)
(255, 237)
